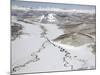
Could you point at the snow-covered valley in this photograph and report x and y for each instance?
(44, 41)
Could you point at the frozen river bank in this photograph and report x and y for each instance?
(52, 42)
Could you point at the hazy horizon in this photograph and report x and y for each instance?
(34, 4)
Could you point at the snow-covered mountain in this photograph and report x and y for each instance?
(54, 9)
(58, 35)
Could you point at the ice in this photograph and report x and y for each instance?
(35, 50)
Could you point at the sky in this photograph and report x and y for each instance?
(33, 4)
